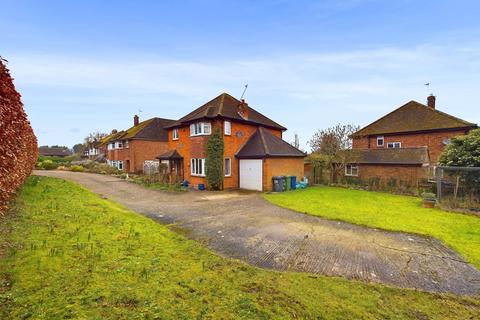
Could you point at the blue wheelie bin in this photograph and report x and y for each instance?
(293, 182)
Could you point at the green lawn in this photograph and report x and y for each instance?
(69, 254)
(387, 211)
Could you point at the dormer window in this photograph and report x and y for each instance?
(200, 129)
(175, 134)
(380, 141)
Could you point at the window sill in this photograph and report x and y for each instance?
(197, 175)
(199, 135)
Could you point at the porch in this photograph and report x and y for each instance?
(175, 167)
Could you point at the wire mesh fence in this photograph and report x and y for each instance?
(458, 187)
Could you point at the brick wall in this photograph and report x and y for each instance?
(194, 147)
(394, 177)
(432, 140)
(281, 166)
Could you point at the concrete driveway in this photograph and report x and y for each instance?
(245, 226)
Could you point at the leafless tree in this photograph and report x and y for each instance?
(94, 137)
(330, 140)
(296, 141)
(333, 143)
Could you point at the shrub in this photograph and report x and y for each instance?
(214, 161)
(18, 144)
(428, 196)
(49, 165)
(103, 168)
(76, 168)
(463, 151)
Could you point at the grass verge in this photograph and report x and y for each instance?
(387, 211)
(69, 254)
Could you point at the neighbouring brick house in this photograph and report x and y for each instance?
(254, 150)
(404, 146)
(130, 150)
(92, 150)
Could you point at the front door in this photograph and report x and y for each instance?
(251, 174)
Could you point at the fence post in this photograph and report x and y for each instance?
(438, 175)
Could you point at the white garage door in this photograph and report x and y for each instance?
(251, 173)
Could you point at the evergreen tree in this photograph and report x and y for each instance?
(463, 151)
(214, 161)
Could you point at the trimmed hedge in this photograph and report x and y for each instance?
(18, 144)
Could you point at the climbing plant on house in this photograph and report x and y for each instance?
(214, 161)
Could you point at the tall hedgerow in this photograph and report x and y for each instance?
(214, 161)
(18, 144)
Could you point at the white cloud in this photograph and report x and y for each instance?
(312, 90)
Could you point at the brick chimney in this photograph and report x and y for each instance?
(136, 120)
(243, 109)
(431, 101)
(114, 131)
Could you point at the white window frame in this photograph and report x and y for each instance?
(227, 128)
(120, 165)
(349, 168)
(197, 167)
(175, 134)
(119, 145)
(380, 138)
(126, 144)
(200, 129)
(229, 167)
(394, 145)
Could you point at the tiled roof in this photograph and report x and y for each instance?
(264, 144)
(170, 155)
(226, 106)
(151, 129)
(54, 151)
(413, 117)
(111, 137)
(405, 156)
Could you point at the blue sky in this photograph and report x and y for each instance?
(89, 66)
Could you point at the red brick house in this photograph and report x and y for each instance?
(254, 150)
(92, 150)
(130, 150)
(403, 145)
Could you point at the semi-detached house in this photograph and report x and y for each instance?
(405, 145)
(132, 149)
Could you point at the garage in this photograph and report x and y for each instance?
(251, 174)
(264, 156)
